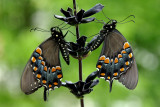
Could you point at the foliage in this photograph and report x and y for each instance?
(17, 43)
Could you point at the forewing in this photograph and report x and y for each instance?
(113, 44)
(50, 49)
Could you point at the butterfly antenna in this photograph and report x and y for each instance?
(66, 28)
(127, 18)
(70, 32)
(39, 29)
(60, 24)
(106, 16)
(99, 21)
(128, 21)
(93, 35)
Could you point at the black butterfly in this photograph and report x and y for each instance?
(44, 68)
(116, 59)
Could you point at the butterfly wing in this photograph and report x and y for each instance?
(113, 43)
(130, 78)
(29, 83)
(50, 55)
(118, 67)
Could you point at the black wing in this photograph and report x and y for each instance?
(50, 54)
(130, 78)
(113, 45)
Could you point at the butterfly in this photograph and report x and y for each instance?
(116, 60)
(43, 67)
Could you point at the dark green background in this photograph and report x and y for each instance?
(17, 43)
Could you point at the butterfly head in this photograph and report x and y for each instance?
(110, 25)
(56, 32)
(55, 29)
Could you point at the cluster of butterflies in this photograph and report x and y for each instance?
(116, 60)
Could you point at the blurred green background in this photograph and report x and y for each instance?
(17, 43)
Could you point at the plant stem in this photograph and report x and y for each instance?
(80, 61)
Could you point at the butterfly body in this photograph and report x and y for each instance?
(58, 36)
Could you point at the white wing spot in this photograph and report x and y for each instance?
(102, 77)
(55, 87)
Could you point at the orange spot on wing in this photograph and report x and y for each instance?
(43, 63)
(116, 60)
(111, 60)
(35, 68)
(53, 69)
(106, 60)
(126, 45)
(102, 74)
(108, 77)
(39, 51)
(99, 66)
(122, 69)
(127, 63)
(44, 81)
(123, 52)
(33, 59)
(59, 76)
(102, 58)
(40, 58)
(45, 68)
(50, 85)
(115, 74)
(130, 55)
(58, 68)
(39, 76)
(55, 83)
(119, 55)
